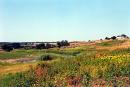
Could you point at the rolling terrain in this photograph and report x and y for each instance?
(102, 64)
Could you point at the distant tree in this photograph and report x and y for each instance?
(89, 40)
(124, 36)
(107, 38)
(119, 36)
(52, 45)
(7, 47)
(41, 46)
(47, 46)
(66, 43)
(113, 37)
(16, 45)
(59, 44)
(63, 43)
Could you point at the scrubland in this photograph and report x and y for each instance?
(105, 64)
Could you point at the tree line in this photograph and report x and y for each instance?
(115, 37)
(10, 46)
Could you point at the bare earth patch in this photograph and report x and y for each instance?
(21, 60)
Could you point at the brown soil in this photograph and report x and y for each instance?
(21, 60)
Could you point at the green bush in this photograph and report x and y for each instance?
(45, 58)
(49, 56)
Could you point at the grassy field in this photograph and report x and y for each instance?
(15, 54)
(105, 64)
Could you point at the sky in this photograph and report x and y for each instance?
(54, 20)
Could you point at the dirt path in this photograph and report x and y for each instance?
(21, 60)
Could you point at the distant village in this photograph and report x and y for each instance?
(9, 46)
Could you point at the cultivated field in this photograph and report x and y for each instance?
(105, 64)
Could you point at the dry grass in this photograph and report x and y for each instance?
(124, 45)
(15, 68)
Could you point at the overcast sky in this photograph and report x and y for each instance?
(53, 20)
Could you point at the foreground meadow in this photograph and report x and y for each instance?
(105, 64)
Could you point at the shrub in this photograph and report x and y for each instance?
(7, 48)
(46, 57)
(50, 56)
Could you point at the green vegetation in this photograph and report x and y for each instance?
(4, 64)
(49, 56)
(82, 66)
(20, 54)
(110, 43)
